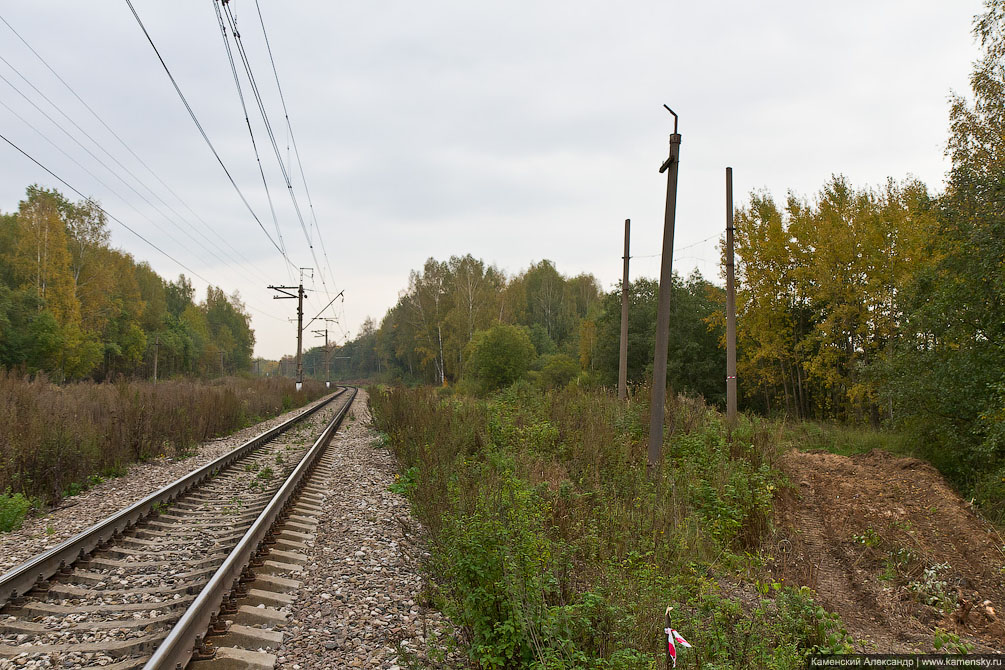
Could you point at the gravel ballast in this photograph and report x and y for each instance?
(359, 603)
(125, 598)
(79, 512)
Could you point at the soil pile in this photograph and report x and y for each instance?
(889, 546)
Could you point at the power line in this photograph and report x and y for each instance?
(272, 138)
(106, 212)
(118, 220)
(92, 155)
(254, 145)
(101, 147)
(682, 248)
(82, 167)
(125, 145)
(293, 140)
(202, 132)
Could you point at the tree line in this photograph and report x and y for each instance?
(461, 317)
(73, 307)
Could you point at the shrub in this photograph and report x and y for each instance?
(13, 509)
(499, 356)
(558, 370)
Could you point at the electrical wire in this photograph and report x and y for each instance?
(293, 140)
(272, 138)
(202, 132)
(110, 156)
(118, 138)
(82, 167)
(105, 211)
(244, 108)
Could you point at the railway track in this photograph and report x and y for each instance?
(197, 571)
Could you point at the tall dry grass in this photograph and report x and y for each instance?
(54, 436)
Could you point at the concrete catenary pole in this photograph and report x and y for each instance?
(659, 386)
(300, 336)
(623, 358)
(730, 307)
(328, 351)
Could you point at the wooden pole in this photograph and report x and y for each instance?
(659, 387)
(730, 307)
(623, 358)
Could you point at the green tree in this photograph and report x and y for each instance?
(696, 364)
(499, 356)
(427, 304)
(946, 380)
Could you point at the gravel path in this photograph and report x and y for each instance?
(359, 603)
(75, 514)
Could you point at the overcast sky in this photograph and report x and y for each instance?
(513, 131)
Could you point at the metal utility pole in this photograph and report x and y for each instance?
(623, 358)
(659, 387)
(285, 290)
(730, 308)
(157, 351)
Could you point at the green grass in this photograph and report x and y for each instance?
(842, 439)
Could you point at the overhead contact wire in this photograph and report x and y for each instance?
(244, 108)
(293, 140)
(272, 138)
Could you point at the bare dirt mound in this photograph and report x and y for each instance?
(889, 546)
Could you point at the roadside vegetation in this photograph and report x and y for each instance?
(552, 548)
(58, 440)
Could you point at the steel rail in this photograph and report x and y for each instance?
(189, 632)
(18, 581)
